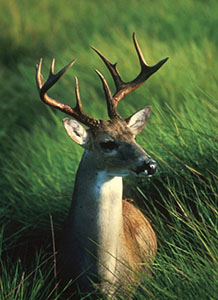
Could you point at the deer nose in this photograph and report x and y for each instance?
(148, 167)
(151, 167)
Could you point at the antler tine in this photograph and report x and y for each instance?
(78, 99)
(124, 88)
(112, 68)
(43, 87)
(112, 112)
(146, 71)
(139, 52)
(111, 104)
(52, 79)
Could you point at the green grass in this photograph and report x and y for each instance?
(38, 161)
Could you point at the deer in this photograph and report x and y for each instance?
(107, 240)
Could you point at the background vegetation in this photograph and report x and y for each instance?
(38, 161)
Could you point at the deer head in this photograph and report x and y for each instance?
(111, 143)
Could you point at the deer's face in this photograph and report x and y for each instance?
(112, 143)
(113, 146)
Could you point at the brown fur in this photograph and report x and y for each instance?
(139, 234)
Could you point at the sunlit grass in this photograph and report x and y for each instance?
(38, 161)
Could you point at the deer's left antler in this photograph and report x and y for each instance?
(124, 88)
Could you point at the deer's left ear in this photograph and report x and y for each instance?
(139, 119)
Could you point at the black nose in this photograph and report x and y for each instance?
(151, 167)
(148, 167)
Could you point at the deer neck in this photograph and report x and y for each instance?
(96, 213)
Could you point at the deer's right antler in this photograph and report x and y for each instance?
(124, 88)
(76, 112)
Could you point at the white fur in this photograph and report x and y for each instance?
(97, 214)
(108, 192)
(76, 131)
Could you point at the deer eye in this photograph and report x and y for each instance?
(108, 146)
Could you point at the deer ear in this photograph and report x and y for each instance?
(76, 132)
(138, 120)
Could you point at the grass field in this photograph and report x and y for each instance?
(38, 161)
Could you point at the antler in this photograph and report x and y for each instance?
(124, 88)
(76, 112)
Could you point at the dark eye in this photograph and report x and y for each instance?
(108, 146)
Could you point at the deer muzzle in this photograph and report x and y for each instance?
(147, 167)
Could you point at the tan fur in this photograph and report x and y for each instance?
(139, 234)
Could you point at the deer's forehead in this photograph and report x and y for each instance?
(117, 130)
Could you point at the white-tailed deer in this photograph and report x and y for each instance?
(106, 239)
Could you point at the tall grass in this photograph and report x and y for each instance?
(38, 161)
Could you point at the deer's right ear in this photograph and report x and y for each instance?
(76, 132)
